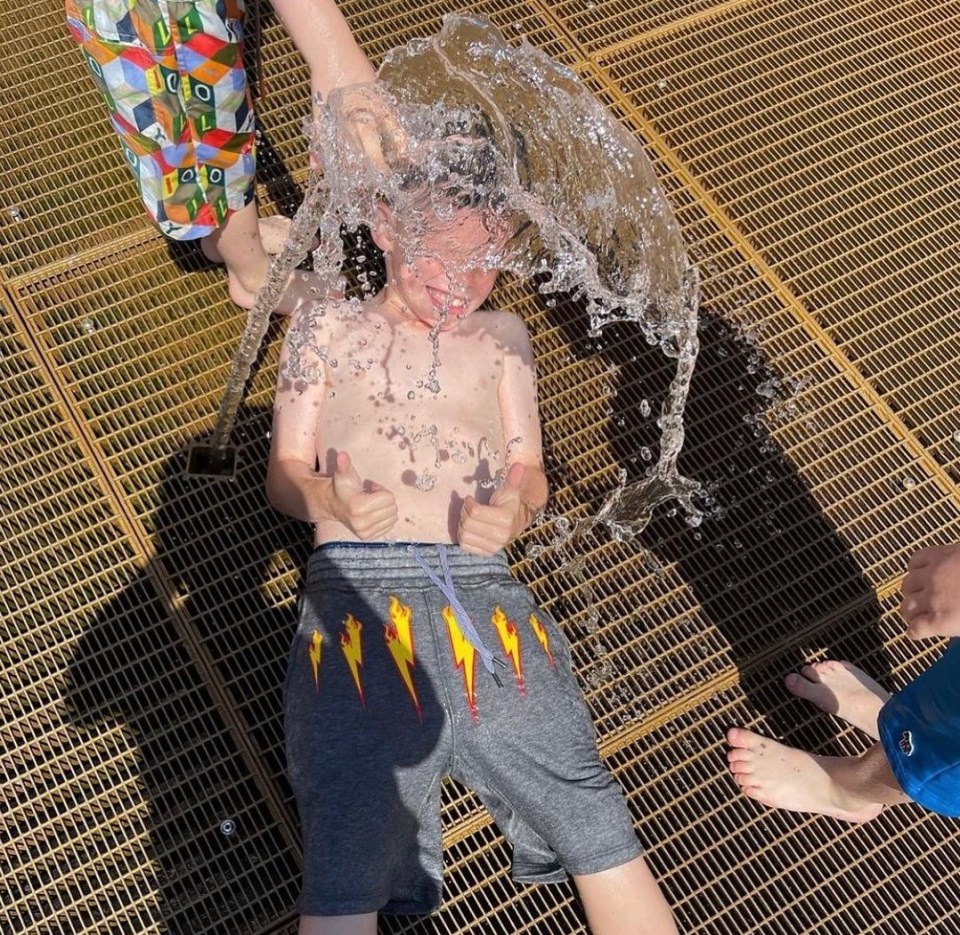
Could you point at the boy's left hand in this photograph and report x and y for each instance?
(485, 530)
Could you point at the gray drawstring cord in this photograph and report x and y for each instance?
(463, 618)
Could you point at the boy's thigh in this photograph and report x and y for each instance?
(366, 753)
(529, 748)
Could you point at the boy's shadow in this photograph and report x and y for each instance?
(766, 564)
(194, 681)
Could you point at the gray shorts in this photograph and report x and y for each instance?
(384, 698)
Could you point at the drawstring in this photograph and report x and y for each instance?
(463, 618)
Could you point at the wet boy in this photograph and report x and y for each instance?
(406, 430)
(917, 754)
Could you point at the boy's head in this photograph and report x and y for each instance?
(446, 230)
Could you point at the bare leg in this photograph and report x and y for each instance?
(851, 788)
(625, 900)
(365, 924)
(842, 689)
(243, 245)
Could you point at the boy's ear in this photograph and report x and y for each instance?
(382, 232)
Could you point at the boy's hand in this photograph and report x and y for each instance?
(369, 512)
(485, 530)
(931, 592)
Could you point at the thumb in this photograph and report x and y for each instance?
(515, 474)
(345, 476)
(510, 488)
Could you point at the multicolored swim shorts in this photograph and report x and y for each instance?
(387, 694)
(171, 73)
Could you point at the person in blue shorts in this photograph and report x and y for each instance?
(917, 754)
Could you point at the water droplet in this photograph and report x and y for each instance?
(411, 395)
(908, 482)
(15, 213)
(228, 827)
(89, 325)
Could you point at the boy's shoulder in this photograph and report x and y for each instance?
(504, 326)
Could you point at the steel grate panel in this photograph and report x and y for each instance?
(826, 483)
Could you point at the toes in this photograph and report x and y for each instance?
(745, 739)
(801, 685)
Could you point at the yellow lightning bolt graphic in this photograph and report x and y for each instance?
(510, 640)
(316, 643)
(353, 651)
(542, 638)
(463, 657)
(399, 640)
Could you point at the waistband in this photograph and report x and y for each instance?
(421, 564)
(396, 562)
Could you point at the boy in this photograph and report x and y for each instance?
(417, 654)
(172, 75)
(917, 756)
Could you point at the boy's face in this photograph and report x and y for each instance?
(447, 272)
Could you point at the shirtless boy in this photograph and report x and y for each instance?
(917, 754)
(406, 430)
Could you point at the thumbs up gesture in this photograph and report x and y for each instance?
(485, 530)
(368, 510)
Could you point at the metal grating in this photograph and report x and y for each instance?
(808, 150)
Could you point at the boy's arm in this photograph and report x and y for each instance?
(324, 39)
(293, 484)
(486, 528)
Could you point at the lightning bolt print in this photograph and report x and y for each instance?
(353, 651)
(398, 636)
(464, 656)
(316, 645)
(510, 641)
(543, 638)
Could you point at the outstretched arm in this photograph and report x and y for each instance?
(324, 39)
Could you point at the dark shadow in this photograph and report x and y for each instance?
(187, 713)
(766, 564)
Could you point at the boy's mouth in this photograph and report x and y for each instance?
(452, 305)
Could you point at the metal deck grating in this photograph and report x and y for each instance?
(808, 150)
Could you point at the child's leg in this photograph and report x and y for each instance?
(365, 924)
(241, 245)
(625, 900)
(238, 246)
(842, 689)
(851, 788)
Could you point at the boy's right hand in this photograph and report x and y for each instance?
(369, 511)
(931, 592)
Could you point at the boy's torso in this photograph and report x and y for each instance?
(420, 417)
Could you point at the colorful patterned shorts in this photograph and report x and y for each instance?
(171, 72)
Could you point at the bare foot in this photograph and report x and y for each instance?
(781, 777)
(842, 689)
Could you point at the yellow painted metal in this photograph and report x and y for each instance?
(809, 151)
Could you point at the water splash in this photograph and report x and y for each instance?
(464, 118)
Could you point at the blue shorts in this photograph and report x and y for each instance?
(385, 697)
(920, 733)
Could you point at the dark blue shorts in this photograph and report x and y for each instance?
(920, 733)
(385, 698)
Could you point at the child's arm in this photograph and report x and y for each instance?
(323, 37)
(485, 529)
(293, 484)
(931, 592)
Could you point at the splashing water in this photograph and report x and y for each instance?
(465, 119)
